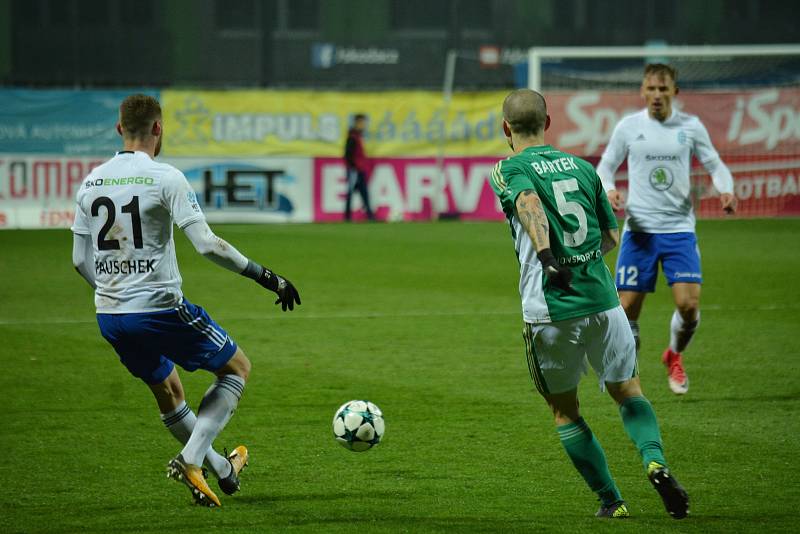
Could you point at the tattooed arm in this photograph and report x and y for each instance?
(533, 218)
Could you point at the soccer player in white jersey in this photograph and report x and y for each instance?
(659, 142)
(124, 249)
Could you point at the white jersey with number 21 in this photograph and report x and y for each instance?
(128, 205)
(659, 163)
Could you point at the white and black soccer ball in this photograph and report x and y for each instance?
(358, 425)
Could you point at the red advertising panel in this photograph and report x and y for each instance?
(764, 189)
(743, 122)
(39, 191)
(413, 189)
(410, 189)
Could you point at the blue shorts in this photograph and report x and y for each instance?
(637, 263)
(149, 343)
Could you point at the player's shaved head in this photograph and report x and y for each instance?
(525, 111)
(137, 113)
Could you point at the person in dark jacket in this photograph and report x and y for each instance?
(357, 166)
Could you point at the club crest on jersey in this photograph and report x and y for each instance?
(682, 137)
(661, 178)
(191, 196)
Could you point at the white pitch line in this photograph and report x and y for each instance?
(265, 317)
(393, 315)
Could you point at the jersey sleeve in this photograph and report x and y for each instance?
(181, 200)
(612, 157)
(508, 181)
(80, 224)
(709, 157)
(704, 151)
(605, 213)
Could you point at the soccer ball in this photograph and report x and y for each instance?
(358, 425)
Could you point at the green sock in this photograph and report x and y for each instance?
(589, 459)
(640, 423)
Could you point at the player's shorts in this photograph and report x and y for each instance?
(558, 352)
(640, 253)
(149, 343)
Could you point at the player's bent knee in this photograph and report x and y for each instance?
(620, 391)
(171, 386)
(238, 365)
(687, 300)
(688, 308)
(565, 406)
(169, 393)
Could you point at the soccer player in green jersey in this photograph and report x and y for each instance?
(562, 225)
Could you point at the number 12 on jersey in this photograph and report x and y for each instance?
(131, 208)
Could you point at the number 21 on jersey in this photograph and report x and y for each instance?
(131, 208)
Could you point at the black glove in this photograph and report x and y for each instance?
(287, 293)
(558, 275)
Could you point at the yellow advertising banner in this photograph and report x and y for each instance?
(311, 123)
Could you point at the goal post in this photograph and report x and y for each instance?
(747, 96)
(538, 55)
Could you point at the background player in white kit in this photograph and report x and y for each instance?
(123, 247)
(659, 226)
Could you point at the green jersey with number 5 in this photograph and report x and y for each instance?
(577, 211)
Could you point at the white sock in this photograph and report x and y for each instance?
(681, 332)
(180, 422)
(215, 411)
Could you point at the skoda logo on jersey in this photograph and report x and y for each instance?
(661, 178)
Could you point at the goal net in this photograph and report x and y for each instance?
(748, 97)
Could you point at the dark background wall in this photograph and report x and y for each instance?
(348, 44)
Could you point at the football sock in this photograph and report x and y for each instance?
(589, 459)
(180, 423)
(641, 425)
(681, 332)
(635, 331)
(215, 411)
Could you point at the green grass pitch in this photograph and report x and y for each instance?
(422, 319)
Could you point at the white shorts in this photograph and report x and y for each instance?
(557, 352)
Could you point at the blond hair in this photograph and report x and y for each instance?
(137, 113)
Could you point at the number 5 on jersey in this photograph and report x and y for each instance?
(131, 208)
(570, 207)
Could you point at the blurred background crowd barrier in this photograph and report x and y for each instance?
(258, 97)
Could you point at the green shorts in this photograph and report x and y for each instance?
(558, 352)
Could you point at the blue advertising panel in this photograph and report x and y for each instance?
(69, 122)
